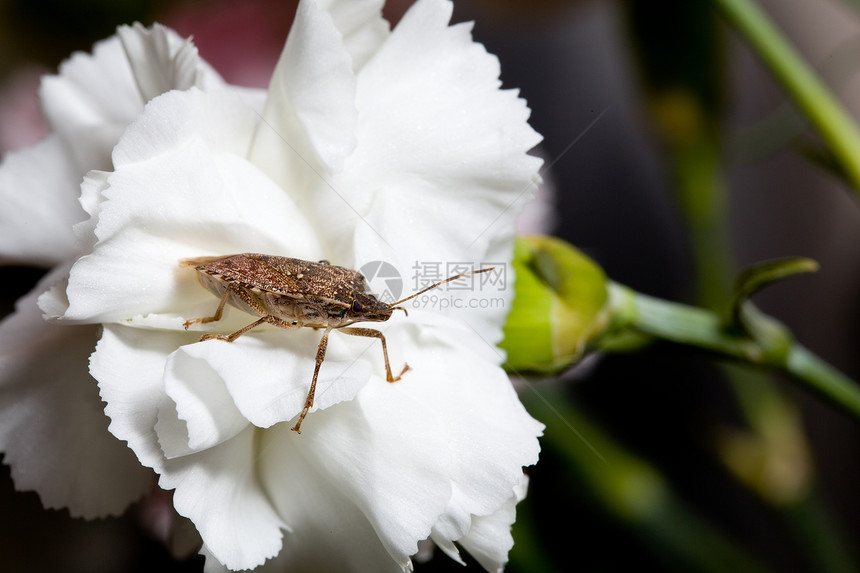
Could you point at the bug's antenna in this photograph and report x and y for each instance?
(440, 283)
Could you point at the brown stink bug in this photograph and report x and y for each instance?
(292, 293)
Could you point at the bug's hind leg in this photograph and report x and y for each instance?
(309, 401)
(373, 333)
(231, 337)
(218, 312)
(247, 299)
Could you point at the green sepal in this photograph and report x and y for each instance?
(754, 278)
(771, 336)
(558, 307)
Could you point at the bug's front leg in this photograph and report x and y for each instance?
(373, 333)
(309, 401)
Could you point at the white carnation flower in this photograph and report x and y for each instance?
(370, 145)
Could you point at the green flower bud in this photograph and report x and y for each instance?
(558, 308)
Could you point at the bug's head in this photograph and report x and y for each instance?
(367, 307)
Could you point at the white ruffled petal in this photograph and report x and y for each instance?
(219, 490)
(174, 436)
(489, 540)
(129, 366)
(162, 61)
(431, 113)
(490, 435)
(197, 412)
(220, 120)
(95, 96)
(310, 116)
(68, 457)
(90, 102)
(39, 187)
(361, 23)
(53, 302)
(430, 106)
(212, 565)
(92, 187)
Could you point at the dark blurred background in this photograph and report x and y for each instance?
(601, 78)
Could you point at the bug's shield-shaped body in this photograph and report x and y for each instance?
(292, 293)
(311, 293)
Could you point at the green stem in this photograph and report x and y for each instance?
(699, 328)
(823, 378)
(825, 113)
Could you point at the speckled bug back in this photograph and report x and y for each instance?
(313, 293)
(283, 275)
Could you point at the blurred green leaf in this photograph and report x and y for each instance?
(634, 492)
